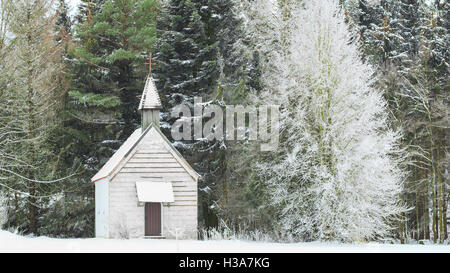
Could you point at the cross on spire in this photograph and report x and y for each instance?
(150, 62)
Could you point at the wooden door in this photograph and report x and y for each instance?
(152, 219)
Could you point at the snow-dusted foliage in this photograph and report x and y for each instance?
(336, 173)
(3, 209)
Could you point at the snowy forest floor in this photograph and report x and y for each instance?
(10, 242)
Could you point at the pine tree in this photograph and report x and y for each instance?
(195, 59)
(428, 81)
(113, 42)
(63, 23)
(113, 39)
(104, 74)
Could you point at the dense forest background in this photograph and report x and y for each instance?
(69, 89)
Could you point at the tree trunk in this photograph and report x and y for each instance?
(426, 216)
(445, 216)
(434, 215)
(419, 216)
(423, 203)
(32, 210)
(433, 188)
(440, 193)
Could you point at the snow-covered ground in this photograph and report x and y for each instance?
(14, 243)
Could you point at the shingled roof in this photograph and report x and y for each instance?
(130, 144)
(150, 98)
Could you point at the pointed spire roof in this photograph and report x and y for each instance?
(150, 98)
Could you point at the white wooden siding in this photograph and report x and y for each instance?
(101, 208)
(151, 161)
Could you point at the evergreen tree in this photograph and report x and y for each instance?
(408, 41)
(71, 212)
(113, 38)
(104, 75)
(194, 56)
(113, 42)
(63, 23)
(425, 90)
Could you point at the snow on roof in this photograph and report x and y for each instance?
(129, 145)
(117, 156)
(154, 191)
(150, 98)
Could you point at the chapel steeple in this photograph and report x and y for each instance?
(150, 104)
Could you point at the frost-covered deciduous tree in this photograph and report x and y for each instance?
(336, 174)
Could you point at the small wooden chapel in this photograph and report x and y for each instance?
(146, 189)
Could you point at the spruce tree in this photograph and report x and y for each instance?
(113, 42)
(194, 56)
(106, 73)
(113, 39)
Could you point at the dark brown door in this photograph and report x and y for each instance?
(152, 219)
